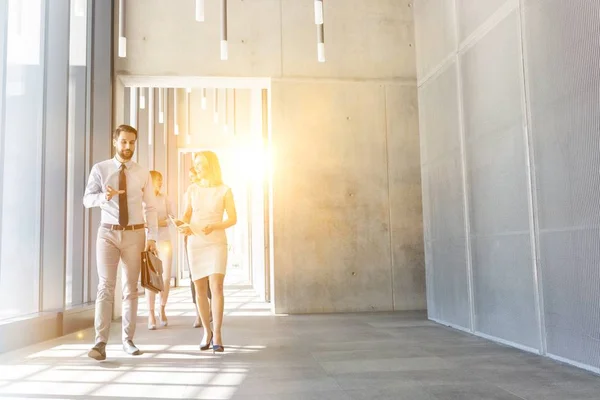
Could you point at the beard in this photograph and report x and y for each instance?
(125, 155)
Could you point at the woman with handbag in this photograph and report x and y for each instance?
(165, 253)
(206, 202)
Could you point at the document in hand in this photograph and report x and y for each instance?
(177, 222)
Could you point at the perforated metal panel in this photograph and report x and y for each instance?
(473, 13)
(562, 45)
(439, 131)
(443, 200)
(432, 311)
(446, 201)
(450, 282)
(496, 158)
(492, 85)
(503, 288)
(570, 261)
(438, 109)
(562, 80)
(498, 183)
(448, 252)
(434, 34)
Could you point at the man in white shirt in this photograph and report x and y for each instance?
(123, 190)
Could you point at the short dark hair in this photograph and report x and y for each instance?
(124, 128)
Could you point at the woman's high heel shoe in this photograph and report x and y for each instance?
(206, 346)
(163, 322)
(218, 348)
(151, 326)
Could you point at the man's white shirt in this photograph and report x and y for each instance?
(141, 200)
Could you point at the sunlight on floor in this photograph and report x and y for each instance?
(171, 366)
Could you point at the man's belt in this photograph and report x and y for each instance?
(123, 228)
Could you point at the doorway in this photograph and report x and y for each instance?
(245, 266)
(177, 117)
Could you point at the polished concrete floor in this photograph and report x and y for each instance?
(349, 356)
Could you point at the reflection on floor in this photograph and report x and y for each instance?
(344, 356)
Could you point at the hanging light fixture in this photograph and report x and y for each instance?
(161, 106)
(216, 105)
(203, 100)
(142, 99)
(122, 40)
(225, 127)
(133, 106)
(318, 12)
(234, 122)
(224, 49)
(200, 10)
(166, 112)
(320, 22)
(175, 111)
(150, 116)
(188, 95)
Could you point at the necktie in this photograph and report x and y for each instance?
(123, 211)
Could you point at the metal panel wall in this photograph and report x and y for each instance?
(473, 13)
(443, 199)
(434, 33)
(142, 150)
(496, 155)
(562, 48)
(525, 269)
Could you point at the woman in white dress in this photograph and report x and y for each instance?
(207, 200)
(165, 253)
(197, 322)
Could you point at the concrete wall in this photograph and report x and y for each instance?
(270, 38)
(508, 95)
(346, 197)
(347, 230)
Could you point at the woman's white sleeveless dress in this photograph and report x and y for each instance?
(207, 253)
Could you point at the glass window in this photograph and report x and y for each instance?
(76, 276)
(22, 160)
